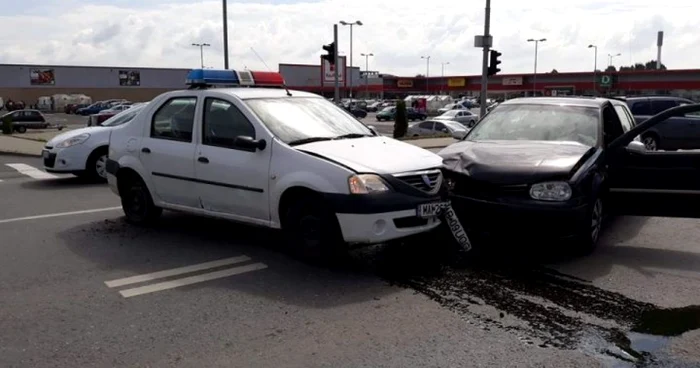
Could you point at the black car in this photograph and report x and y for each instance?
(551, 167)
(413, 114)
(26, 119)
(356, 112)
(680, 132)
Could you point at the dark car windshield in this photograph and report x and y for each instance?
(538, 122)
(298, 118)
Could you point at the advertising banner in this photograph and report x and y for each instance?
(129, 78)
(328, 71)
(512, 81)
(42, 77)
(456, 82)
(404, 83)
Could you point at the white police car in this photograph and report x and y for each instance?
(271, 157)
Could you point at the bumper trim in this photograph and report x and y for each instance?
(376, 203)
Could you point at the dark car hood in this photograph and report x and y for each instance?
(514, 162)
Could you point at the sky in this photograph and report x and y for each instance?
(160, 33)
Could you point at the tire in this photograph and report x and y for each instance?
(137, 202)
(651, 141)
(313, 230)
(471, 124)
(21, 129)
(96, 165)
(590, 228)
(379, 119)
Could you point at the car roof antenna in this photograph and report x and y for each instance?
(269, 70)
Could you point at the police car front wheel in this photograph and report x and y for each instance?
(137, 203)
(314, 230)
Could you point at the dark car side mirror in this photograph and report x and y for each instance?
(250, 143)
(636, 147)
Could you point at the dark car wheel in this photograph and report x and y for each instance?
(651, 142)
(590, 229)
(314, 230)
(21, 129)
(471, 124)
(137, 202)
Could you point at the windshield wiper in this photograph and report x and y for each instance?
(352, 135)
(309, 140)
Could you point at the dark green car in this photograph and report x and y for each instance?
(388, 114)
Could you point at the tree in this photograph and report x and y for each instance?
(400, 120)
(610, 68)
(649, 65)
(420, 76)
(7, 124)
(554, 71)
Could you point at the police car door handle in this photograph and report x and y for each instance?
(146, 150)
(203, 160)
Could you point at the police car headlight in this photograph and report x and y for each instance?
(78, 139)
(366, 184)
(555, 191)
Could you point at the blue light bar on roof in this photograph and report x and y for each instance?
(210, 77)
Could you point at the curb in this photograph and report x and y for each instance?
(29, 139)
(20, 154)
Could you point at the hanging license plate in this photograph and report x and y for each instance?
(450, 218)
(428, 210)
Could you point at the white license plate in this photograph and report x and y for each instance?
(431, 209)
(450, 218)
(45, 154)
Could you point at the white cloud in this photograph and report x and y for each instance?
(398, 32)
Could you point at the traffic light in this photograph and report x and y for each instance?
(330, 49)
(493, 65)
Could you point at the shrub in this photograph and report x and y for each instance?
(400, 120)
(7, 125)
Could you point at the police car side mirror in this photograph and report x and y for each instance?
(250, 143)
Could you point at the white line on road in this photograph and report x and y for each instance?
(192, 280)
(176, 271)
(37, 217)
(32, 171)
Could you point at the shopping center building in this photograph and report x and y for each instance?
(29, 82)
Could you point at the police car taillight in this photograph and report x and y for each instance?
(233, 78)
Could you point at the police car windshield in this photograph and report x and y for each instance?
(296, 119)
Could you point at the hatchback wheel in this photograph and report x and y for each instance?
(591, 228)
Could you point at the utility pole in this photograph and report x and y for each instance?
(225, 35)
(485, 63)
(355, 23)
(336, 84)
(201, 51)
(442, 72)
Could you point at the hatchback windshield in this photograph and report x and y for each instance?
(301, 118)
(451, 113)
(539, 122)
(124, 116)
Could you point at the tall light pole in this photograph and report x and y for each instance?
(534, 77)
(442, 74)
(355, 23)
(611, 56)
(367, 73)
(427, 73)
(595, 68)
(225, 11)
(201, 51)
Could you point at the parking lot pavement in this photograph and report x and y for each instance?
(80, 287)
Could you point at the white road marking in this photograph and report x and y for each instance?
(192, 280)
(60, 214)
(32, 171)
(176, 271)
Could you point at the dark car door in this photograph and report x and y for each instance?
(653, 183)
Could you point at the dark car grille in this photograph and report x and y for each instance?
(428, 181)
(465, 186)
(50, 161)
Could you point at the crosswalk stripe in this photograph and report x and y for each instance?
(31, 171)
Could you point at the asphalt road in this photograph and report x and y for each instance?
(78, 289)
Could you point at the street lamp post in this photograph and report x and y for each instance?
(225, 11)
(595, 67)
(367, 73)
(355, 23)
(201, 51)
(427, 73)
(534, 77)
(442, 74)
(610, 58)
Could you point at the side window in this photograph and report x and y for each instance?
(174, 119)
(659, 106)
(624, 118)
(612, 128)
(426, 125)
(222, 123)
(439, 127)
(641, 108)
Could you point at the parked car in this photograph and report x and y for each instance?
(436, 127)
(678, 132)
(464, 117)
(258, 156)
(72, 108)
(374, 106)
(83, 152)
(104, 115)
(452, 106)
(552, 167)
(27, 119)
(92, 109)
(388, 114)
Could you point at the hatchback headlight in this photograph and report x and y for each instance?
(366, 184)
(556, 191)
(78, 139)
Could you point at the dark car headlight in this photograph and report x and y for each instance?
(553, 191)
